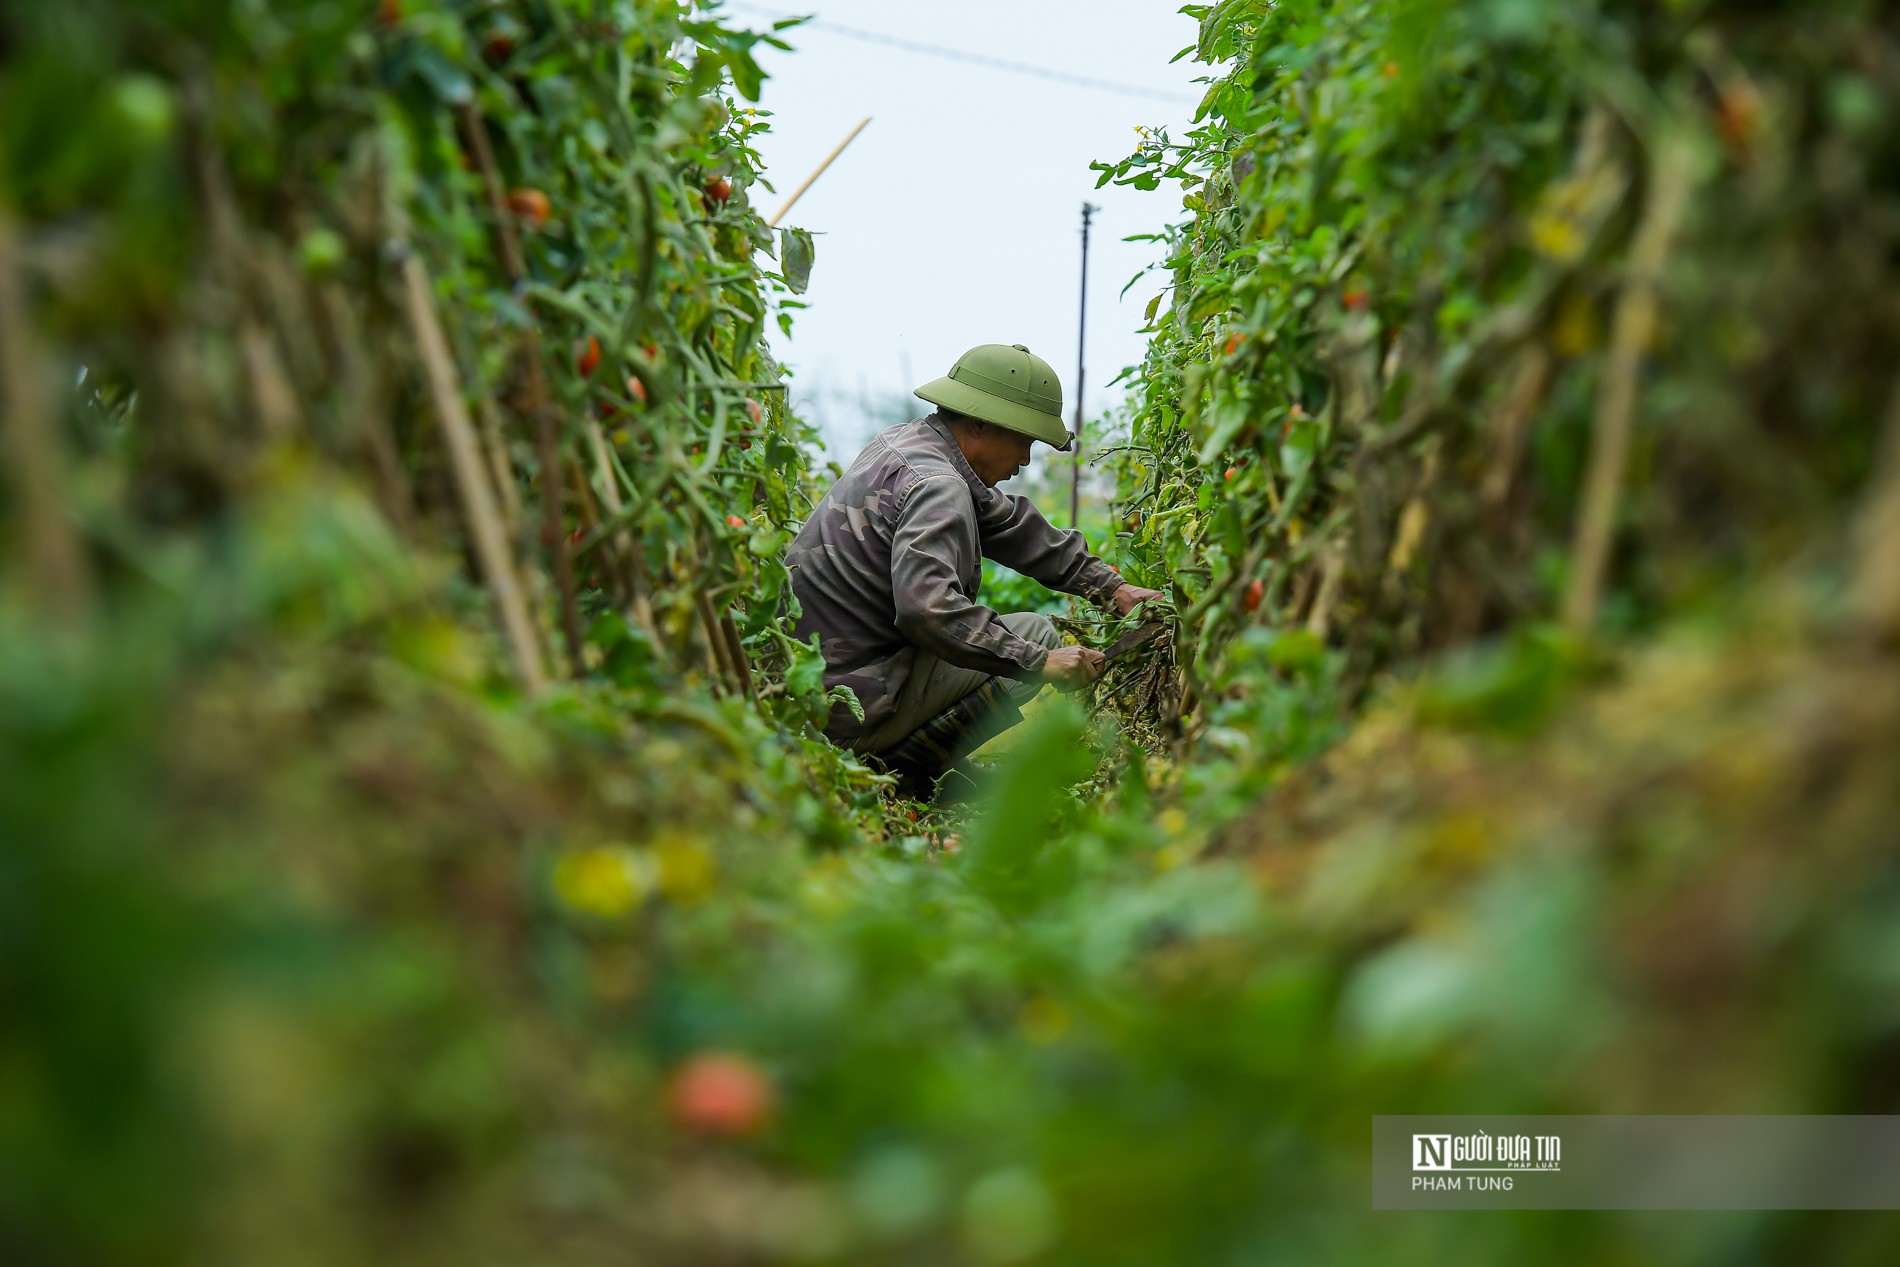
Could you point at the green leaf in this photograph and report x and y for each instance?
(796, 253)
(1008, 840)
(848, 697)
(747, 78)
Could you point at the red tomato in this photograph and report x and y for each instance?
(1250, 597)
(531, 205)
(733, 521)
(720, 1093)
(718, 189)
(636, 388)
(1738, 114)
(587, 360)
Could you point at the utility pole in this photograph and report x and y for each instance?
(1081, 348)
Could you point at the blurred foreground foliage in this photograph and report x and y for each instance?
(413, 838)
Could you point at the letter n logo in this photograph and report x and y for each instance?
(1431, 1152)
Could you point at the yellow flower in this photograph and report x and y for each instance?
(605, 881)
(687, 870)
(1557, 236)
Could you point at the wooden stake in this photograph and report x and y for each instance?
(735, 652)
(553, 521)
(547, 439)
(476, 133)
(1513, 423)
(624, 540)
(809, 180)
(485, 525)
(716, 650)
(1634, 326)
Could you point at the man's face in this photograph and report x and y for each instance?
(995, 453)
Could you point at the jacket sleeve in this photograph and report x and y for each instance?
(932, 545)
(1015, 534)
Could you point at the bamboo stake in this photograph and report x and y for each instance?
(273, 400)
(1520, 404)
(1631, 332)
(495, 445)
(623, 539)
(485, 525)
(1319, 621)
(735, 651)
(553, 533)
(56, 566)
(361, 406)
(811, 179)
(477, 134)
(547, 441)
(716, 649)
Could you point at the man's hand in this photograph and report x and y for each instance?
(1129, 597)
(1072, 668)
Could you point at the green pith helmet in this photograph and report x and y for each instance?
(1008, 385)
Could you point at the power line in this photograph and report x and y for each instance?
(974, 59)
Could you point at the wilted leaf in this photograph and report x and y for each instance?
(796, 253)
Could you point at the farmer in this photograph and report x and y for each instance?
(887, 570)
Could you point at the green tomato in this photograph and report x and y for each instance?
(321, 251)
(144, 105)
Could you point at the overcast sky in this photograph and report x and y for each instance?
(955, 217)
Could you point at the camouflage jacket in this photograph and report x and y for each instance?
(890, 562)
